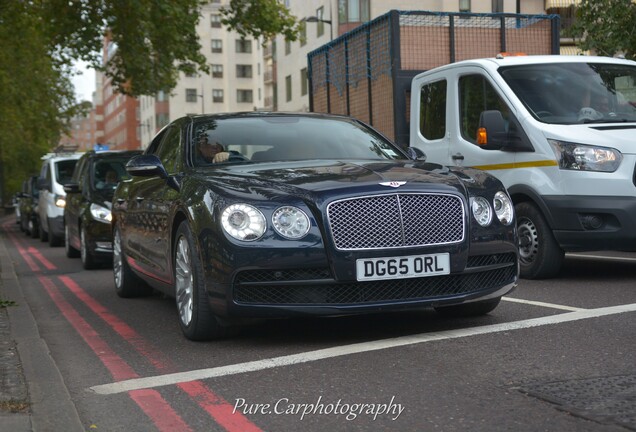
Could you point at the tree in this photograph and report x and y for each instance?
(261, 19)
(150, 43)
(607, 27)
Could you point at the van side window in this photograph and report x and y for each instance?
(476, 94)
(433, 110)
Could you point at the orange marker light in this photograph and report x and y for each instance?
(482, 136)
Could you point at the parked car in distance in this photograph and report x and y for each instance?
(307, 214)
(28, 205)
(57, 169)
(89, 196)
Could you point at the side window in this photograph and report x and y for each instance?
(476, 94)
(433, 110)
(77, 174)
(169, 149)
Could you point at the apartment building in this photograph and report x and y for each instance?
(235, 81)
(85, 131)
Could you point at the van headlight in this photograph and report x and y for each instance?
(572, 156)
(503, 207)
(243, 222)
(100, 213)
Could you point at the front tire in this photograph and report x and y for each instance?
(71, 252)
(88, 261)
(126, 283)
(477, 308)
(540, 256)
(195, 315)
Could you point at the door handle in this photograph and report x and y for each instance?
(457, 156)
(120, 200)
(139, 199)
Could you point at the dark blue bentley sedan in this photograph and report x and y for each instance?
(257, 215)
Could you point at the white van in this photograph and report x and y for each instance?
(57, 169)
(559, 131)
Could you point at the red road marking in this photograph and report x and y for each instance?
(218, 408)
(150, 401)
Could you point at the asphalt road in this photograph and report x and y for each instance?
(556, 355)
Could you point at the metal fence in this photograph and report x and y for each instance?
(366, 73)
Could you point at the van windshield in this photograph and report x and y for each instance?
(64, 170)
(575, 93)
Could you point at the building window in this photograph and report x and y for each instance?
(244, 71)
(217, 46)
(320, 26)
(287, 47)
(288, 88)
(161, 96)
(353, 11)
(497, 6)
(217, 70)
(161, 120)
(244, 96)
(215, 20)
(243, 46)
(464, 5)
(217, 95)
(191, 95)
(303, 82)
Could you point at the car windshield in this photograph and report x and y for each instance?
(64, 170)
(108, 173)
(285, 138)
(575, 93)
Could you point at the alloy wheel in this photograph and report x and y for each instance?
(184, 281)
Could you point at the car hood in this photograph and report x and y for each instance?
(333, 178)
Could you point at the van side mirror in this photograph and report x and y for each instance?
(491, 134)
(43, 184)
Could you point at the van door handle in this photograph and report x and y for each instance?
(457, 156)
(120, 200)
(139, 199)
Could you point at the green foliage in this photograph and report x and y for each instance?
(261, 18)
(607, 27)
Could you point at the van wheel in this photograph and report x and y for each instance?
(71, 252)
(195, 315)
(43, 234)
(126, 283)
(469, 309)
(540, 256)
(33, 229)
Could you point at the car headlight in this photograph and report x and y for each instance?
(581, 157)
(100, 213)
(503, 207)
(290, 222)
(60, 201)
(243, 222)
(481, 210)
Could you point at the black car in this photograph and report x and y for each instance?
(309, 214)
(28, 206)
(89, 195)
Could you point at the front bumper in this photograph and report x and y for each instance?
(314, 291)
(589, 223)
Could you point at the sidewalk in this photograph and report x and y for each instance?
(30, 382)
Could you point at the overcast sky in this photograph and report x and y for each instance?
(85, 83)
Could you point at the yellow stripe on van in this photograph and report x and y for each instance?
(530, 164)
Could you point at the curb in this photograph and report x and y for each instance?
(33, 371)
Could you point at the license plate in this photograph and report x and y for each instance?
(402, 267)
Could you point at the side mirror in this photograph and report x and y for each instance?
(491, 134)
(416, 154)
(43, 184)
(146, 166)
(72, 188)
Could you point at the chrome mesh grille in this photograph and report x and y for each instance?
(396, 220)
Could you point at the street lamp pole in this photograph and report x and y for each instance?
(315, 19)
(202, 96)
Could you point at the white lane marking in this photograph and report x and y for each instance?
(543, 304)
(607, 258)
(201, 374)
